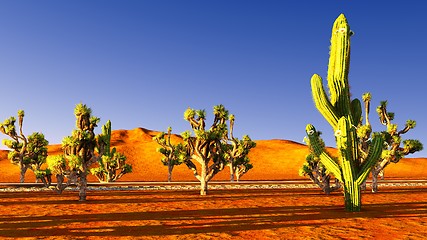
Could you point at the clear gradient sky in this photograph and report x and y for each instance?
(142, 63)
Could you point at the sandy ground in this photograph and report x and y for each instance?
(223, 214)
(393, 213)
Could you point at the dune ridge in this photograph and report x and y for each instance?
(275, 159)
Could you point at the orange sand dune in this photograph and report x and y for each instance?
(272, 160)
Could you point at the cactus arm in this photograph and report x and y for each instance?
(319, 151)
(356, 112)
(374, 155)
(322, 102)
(331, 165)
(339, 63)
(106, 132)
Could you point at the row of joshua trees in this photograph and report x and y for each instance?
(82, 151)
(207, 150)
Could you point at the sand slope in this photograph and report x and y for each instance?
(272, 159)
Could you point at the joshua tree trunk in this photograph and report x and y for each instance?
(378, 170)
(327, 186)
(375, 172)
(324, 183)
(363, 186)
(203, 187)
(59, 183)
(170, 169)
(203, 180)
(374, 183)
(316, 181)
(83, 185)
(22, 173)
(232, 172)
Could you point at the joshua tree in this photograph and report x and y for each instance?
(79, 148)
(27, 153)
(79, 153)
(240, 167)
(205, 147)
(316, 171)
(236, 153)
(344, 115)
(58, 166)
(393, 152)
(173, 154)
(112, 165)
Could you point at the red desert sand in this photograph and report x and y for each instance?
(393, 213)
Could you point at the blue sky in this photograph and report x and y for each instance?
(142, 63)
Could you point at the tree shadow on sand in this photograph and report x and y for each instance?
(131, 197)
(180, 222)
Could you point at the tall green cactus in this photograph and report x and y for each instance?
(344, 115)
(106, 133)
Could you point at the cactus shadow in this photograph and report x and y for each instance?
(181, 222)
(158, 196)
(156, 214)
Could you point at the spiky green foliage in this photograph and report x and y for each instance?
(57, 164)
(79, 153)
(26, 152)
(79, 148)
(204, 148)
(63, 167)
(236, 151)
(112, 165)
(344, 115)
(213, 148)
(174, 154)
(393, 150)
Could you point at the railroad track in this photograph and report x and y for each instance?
(290, 184)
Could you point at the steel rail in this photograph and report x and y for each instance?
(391, 182)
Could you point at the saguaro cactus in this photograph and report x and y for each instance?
(344, 115)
